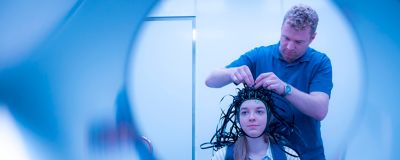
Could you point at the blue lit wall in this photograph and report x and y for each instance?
(63, 64)
(376, 124)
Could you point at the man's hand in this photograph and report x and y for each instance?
(241, 74)
(271, 82)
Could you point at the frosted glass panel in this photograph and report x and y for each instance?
(162, 87)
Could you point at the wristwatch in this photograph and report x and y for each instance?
(288, 90)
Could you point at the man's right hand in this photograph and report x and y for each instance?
(241, 74)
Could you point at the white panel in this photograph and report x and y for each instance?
(162, 87)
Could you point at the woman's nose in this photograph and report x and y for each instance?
(252, 117)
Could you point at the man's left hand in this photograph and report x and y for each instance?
(271, 82)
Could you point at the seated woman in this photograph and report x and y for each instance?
(251, 135)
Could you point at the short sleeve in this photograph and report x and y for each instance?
(322, 80)
(247, 59)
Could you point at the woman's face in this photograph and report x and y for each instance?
(253, 117)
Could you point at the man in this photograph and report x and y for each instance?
(302, 75)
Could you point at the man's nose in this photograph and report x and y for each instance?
(291, 46)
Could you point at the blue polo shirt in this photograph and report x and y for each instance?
(311, 72)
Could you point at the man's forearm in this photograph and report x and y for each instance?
(218, 78)
(314, 104)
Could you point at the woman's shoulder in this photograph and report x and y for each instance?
(219, 154)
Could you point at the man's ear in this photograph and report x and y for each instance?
(313, 36)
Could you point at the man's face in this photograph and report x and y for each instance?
(294, 43)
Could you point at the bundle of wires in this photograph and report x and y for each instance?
(229, 130)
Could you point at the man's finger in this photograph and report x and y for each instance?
(249, 76)
(261, 77)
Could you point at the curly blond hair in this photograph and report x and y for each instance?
(300, 17)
